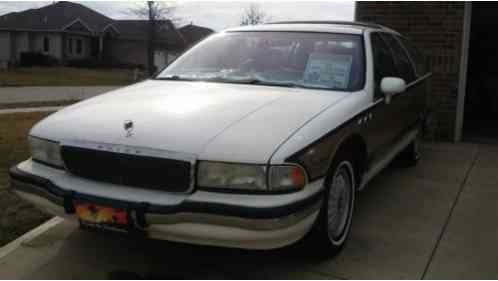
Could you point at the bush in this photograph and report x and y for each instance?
(100, 63)
(29, 59)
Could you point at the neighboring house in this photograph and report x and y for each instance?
(132, 42)
(67, 31)
(194, 33)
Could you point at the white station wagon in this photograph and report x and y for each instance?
(255, 138)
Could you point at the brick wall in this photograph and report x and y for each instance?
(436, 28)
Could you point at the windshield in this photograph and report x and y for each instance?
(290, 59)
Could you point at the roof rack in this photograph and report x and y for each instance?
(354, 23)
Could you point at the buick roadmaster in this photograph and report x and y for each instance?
(257, 137)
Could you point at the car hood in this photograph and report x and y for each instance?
(214, 121)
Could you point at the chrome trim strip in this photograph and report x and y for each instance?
(131, 150)
(388, 157)
(244, 223)
(57, 202)
(427, 75)
(420, 79)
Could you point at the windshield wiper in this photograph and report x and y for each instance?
(253, 81)
(175, 78)
(288, 84)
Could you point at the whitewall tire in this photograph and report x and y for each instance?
(333, 225)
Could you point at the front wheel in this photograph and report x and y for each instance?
(333, 225)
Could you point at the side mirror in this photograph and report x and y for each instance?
(391, 86)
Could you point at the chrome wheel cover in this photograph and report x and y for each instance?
(339, 204)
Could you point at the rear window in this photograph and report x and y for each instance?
(401, 59)
(417, 57)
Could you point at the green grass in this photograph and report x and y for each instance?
(64, 76)
(16, 215)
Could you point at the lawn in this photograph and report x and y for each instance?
(17, 216)
(64, 76)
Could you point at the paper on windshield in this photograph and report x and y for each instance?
(328, 70)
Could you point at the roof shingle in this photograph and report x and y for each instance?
(138, 29)
(193, 33)
(54, 17)
(60, 15)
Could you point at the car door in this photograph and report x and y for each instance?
(421, 86)
(384, 124)
(403, 103)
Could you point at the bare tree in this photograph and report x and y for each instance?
(154, 11)
(254, 15)
(160, 10)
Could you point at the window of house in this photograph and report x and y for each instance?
(401, 59)
(46, 44)
(383, 62)
(70, 45)
(79, 46)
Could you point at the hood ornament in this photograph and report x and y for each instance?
(128, 126)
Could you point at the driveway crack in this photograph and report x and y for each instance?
(448, 218)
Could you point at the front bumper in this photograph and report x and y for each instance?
(210, 218)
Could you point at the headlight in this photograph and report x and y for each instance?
(250, 177)
(231, 176)
(45, 151)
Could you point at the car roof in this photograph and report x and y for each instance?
(347, 27)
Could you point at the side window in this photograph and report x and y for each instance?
(401, 59)
(79, 46)
(383, 62)
(70, 45)
(46, 44)
(418, 58)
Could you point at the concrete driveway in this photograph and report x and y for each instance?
(436, 221)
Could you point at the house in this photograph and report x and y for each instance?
(68, 31)
(194, 33)
(459, 39)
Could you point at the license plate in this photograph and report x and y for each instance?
(101, 217)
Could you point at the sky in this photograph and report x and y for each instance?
(215, 14)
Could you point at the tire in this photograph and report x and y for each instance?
(410, 156)
(333, 225)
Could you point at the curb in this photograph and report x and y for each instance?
(10, 247)
(31, 109)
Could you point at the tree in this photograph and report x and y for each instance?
(154, 12)
(254, 15)
(161, 10)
